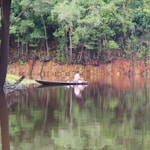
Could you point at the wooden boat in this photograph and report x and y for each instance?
(60, 83)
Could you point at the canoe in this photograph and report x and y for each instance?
(60, 83)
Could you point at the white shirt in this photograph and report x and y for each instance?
(76, 77)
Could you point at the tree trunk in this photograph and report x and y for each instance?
(46, 42)
(5, 15)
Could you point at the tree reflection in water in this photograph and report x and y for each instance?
(103, 118)
(4, 122)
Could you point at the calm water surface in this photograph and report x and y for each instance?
(95, 117)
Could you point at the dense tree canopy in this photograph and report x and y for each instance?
(81, 30)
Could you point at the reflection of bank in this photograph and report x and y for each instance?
(78, 90)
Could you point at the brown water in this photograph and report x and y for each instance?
(101, 117)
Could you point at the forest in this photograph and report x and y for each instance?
(79, 31)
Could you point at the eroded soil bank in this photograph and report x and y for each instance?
(117, 73)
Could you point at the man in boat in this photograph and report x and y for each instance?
(77, 77)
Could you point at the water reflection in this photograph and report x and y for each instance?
(4, 122)
(104, 117)
(78, 90)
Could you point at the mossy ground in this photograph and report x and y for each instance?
(13, 78)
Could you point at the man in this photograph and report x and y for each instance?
(77, 77)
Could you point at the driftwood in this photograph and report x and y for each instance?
(13, 85)
(19, 80)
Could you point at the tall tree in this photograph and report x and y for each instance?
(4, 48)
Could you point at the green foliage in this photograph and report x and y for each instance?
(20, 62)
(60, 57)
(113, 44)
(78, 24)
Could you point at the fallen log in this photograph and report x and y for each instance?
(19, 80)
(9, 85)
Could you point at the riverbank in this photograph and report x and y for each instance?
(117, 73)
(54, 71)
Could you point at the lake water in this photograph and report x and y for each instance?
(94, 117)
